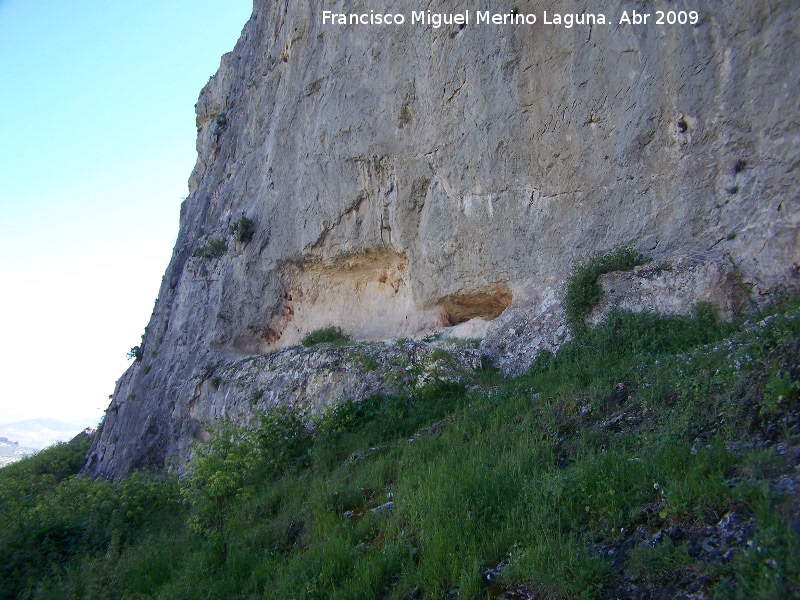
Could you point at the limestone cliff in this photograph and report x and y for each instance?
(401, 179)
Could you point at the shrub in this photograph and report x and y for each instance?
(244, 229)
(215, 248)
(50, 517)
(327, 335)
(583, 289)
(283, 441)
(221, 475)
(780, 387)
(137, 352)
(53, 464)
(226, 470)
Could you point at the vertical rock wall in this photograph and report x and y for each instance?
(404, 178)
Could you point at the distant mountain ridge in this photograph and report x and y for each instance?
(43, 432)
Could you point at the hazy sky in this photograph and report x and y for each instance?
(97, 141)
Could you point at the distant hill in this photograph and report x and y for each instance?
(11, 452)
(40, 433)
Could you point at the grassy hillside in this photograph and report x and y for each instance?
(650, 458)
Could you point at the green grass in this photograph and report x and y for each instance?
(328, 335)
(583, 289)
(643, 423)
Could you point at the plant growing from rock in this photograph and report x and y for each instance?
(243, 229)
(215, 248)
(327, 335)
(136, 353)
(583, 289)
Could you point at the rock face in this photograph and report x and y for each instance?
(406, 178)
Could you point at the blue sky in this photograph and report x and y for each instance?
(97, 141)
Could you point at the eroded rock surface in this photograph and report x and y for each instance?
(307, 379)
(404, 179)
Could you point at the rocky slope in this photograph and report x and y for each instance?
(406, 179)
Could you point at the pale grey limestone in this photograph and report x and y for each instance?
(406, 179)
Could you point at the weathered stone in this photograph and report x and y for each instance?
(307, 379)
(673, 286)
(404, 179)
